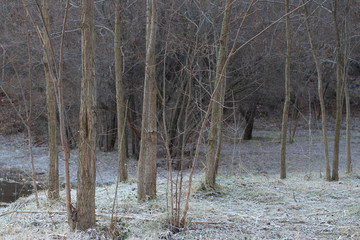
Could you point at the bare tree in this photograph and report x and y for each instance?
(215, 136)
(87, 148)
(321, 95)
(53, 185)
(287, 95)
(56, 74)
(339, 97)
(346, 86)
(147, 157)
(120, 105)
(348, 125)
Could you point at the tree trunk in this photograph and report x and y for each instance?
(339, 70)
(131, 119)
(175, 119)
(321, 96)
(147, 157)
(87, 131)
(107, 124)
(53, 184)
(57, 80)
(220, 127)
(120, 106)
(346, 90)
(348, 132)
(287, 96)
(249, 119)
(217, 108)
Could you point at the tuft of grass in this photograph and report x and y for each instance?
(119, 230)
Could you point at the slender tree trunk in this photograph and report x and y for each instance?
(220, 126)
(4, 26)
(28, 112)
(321, 95)
(183, 145)
(287, 96)
(33, 172)
(131, 119)
(346, 89)
(217, 108)
(3, 64)
(120, 106)
(147, 156)
(348, 132)
(87, 151)
(339, 74)
(57, 78)
(62, 125)
(174, 125)
(53, 185)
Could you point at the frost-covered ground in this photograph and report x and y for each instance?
(250, 202)
(251, 207)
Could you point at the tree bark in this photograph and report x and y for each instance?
(87, 151)
(217, 107)
(147, 156)
(287, 96)
(120, 106)
(53, 183)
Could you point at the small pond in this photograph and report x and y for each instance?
(14, 184)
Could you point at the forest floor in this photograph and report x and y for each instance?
(250, 202)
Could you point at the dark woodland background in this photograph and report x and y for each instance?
(187, 44)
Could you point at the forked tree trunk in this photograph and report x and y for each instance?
(87, 152)
(120, 106)
(321, 96)
(59, 98)
(287, 96)
(53, 183)
(217, 108)
(147, 156)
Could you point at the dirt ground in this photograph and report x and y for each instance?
(249, 203)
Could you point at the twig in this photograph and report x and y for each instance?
(108, 216)
(116, 218)
(325, 213)
(64, 212)
(24, 211)
(205, 222)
